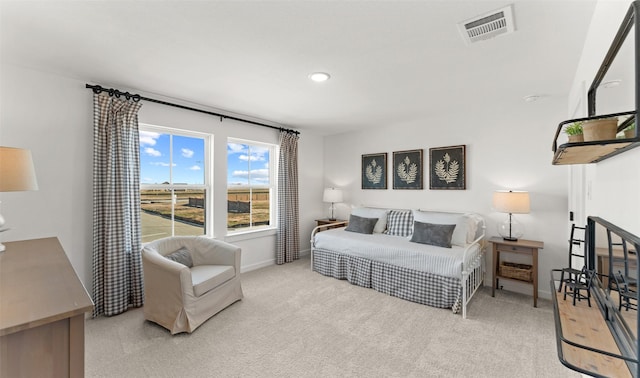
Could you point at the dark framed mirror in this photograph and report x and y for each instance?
(614, 89)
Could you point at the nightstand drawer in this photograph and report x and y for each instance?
(513, 249)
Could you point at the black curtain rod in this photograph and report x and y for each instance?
(97, 89)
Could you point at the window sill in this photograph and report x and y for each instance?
(253, 234)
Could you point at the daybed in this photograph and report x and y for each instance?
(432, 258)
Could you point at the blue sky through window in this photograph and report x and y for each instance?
(247, 164)
(155, 159)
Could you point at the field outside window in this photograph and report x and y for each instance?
(173, 183)
(250, 186)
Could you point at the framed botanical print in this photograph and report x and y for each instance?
(374, 171)
(447, 168)
(407, 169)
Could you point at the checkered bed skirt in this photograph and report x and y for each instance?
(412, 285)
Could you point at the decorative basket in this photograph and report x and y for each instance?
(522, 272)
(600, 129)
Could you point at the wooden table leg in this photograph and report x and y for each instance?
(496, 256)
(535, 277)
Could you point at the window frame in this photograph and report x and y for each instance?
(273, 187)
(207, 170)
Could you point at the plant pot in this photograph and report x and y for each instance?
(630, 133)
(576, 138)
(600, 129)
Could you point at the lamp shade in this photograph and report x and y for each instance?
(16, 170)
(511, 202)
(332, 195)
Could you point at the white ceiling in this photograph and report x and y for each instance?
(391, 62)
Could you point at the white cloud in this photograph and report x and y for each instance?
(235, 148)
(161, 163)
(195, 168)
(152, 152)
(187, 153)
(256, 174)
(148, 138)
(252, 158)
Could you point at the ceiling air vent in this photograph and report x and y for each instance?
(488, 25)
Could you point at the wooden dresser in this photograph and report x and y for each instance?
(42, 309)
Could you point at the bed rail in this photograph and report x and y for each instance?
(323, 228)
(473, 271)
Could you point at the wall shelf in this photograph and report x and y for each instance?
(594, 151)
(600, 340)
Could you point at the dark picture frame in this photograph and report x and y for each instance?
(374, 171)
(447, 168)
(407, 169)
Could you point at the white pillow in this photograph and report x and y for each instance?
(370, 212)
(465, 230)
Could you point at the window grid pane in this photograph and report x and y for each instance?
(249, 193)
(173, 190)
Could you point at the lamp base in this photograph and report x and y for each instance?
(332, 219)
(510, 229)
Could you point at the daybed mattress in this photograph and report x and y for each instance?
(396, 250)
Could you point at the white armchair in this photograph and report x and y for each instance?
(180, 298)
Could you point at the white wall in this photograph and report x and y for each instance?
(53, 116)
(507, 147)
(611, 186)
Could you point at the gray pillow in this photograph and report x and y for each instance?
(361, 225)
(433, 234)
(182, 256)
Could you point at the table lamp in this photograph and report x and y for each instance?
(512, 202)
(332, 195)
(16, 174)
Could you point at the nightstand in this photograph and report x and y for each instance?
(516, 272)
(329, 224)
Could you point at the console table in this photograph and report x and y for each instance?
(42, 309)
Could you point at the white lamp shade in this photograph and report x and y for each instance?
(332, 195)
(16, 170)
(511, 202)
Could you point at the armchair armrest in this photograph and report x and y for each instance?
(169, 277)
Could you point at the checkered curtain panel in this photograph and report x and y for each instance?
(117, 264)
(288, 237)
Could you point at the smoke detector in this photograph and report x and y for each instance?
(488, 25)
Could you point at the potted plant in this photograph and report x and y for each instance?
(574, 131)
(630, 131)
(600, 129)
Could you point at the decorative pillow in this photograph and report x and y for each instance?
(361, 225)
(399, 222)
(433, 234)
(370, 212)
(182, 256)
(466, 226)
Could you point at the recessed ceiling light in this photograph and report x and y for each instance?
(611, 83)
(319, 77)
(532, 98)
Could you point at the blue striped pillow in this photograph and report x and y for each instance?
(399, 223)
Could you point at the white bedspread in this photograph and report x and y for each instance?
(396, 250)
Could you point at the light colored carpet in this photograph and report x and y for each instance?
(297, 323)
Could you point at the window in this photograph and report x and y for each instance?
(250, 185)
(174, 183)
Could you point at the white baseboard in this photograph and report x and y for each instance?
(263, 264)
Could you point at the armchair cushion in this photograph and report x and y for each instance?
(207, 277)
(182, 256)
